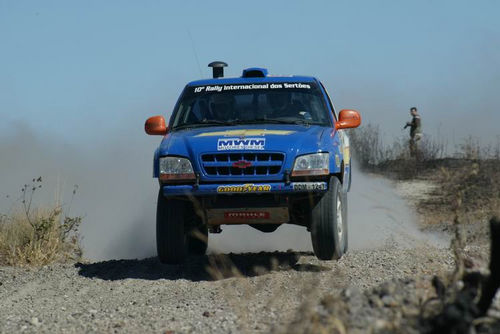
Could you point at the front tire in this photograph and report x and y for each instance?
(171, 241)
(197, 240)
(329, 223)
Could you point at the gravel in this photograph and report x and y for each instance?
(146, 296)
(233, 293)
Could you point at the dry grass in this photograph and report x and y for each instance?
(371, 152)
(37, 236)
(470, 190)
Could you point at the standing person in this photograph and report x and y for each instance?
(415, 131)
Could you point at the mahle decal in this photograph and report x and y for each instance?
(244, 188)
(231, 144)
(247, 215)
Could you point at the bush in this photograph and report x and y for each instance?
(366, 145)
(38, 236)
(370, 151)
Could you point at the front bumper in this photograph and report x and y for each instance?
(244, 188)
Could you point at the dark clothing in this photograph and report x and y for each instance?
(415, 126)
(415, 134)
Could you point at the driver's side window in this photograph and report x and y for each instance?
(330, 104)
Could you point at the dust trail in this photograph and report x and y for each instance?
(378, 216)
(116, 194)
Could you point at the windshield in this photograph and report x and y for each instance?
(287, 103)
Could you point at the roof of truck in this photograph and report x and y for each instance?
(249, 76)
(240, 80)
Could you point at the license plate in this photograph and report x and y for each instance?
(305, 186)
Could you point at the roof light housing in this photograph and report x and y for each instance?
(255, 72)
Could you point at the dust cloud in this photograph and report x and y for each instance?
(116, 193)
(116, 196)
(378, 217)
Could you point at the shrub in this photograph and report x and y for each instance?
(371, 152)
(366, 145)
(38, 236)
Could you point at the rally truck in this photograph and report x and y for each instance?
(259, 150)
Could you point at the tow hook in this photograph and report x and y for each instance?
(287, 177)
(214, 229)
(197, 182)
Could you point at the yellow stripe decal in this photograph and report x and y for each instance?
(251, 132)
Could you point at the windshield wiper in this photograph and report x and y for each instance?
(203, 123)
(279, 121)
(241, 122)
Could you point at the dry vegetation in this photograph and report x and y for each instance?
(470, 175)
(35, 236)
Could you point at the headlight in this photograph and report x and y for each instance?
(175, 168)
(311, 164)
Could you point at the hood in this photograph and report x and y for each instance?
(292, 140)
(295, 139)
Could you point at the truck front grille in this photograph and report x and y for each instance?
(242, 164)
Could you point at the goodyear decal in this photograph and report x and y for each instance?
(245, 132)
(230, 144)
(244, 188)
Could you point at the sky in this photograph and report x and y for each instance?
(82, 69)
(79, 78)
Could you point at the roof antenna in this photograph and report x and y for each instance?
(194, 51)
(217, 68)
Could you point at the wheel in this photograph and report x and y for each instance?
(344, 222)
(350, 177)
(197, 240)
(171, 241)
(329, 223)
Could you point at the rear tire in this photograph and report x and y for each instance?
(171, 241)
(329, 223)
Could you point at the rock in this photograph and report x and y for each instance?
(389, 301)
(35, 322)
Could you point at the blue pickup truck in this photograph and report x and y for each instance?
(260, 150)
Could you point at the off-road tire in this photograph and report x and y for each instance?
(171, 240)
(344, 221)
(328, 240)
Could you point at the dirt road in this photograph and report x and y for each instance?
(251, 292)
(145, 296)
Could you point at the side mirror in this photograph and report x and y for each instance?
(348, 119)
(156, 126)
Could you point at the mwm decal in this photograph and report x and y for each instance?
(231, 144)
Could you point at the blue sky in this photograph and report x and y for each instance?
(82, 69)
(79, 78)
